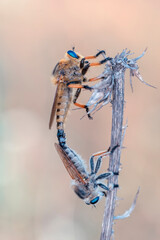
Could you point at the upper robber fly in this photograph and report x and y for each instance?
(68, 74)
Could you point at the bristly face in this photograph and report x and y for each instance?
(94, 197)
(86, 185)
(87, 193)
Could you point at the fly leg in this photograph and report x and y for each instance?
(101, 154)
(106, 175)
(79, 86)
(106, 152)
(83, 60)
(86, 67)
(102, 176)
(76, 84)
(95, 169)
(107, 188)
(78, 104)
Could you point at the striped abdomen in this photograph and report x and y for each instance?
(64, 99)
(76, 160)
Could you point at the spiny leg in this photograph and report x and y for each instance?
(77, 85)
(106, 152)
(95, 105)
(83, 61)
(78, 104)
(99, 161)
(97, 167)
(98, 164)
(92, 164)
(87, 66)
(107, 175)
(88, 111)
(107, 188)
(104, 175)
(95, 56)
(102, 153)
(103, 186)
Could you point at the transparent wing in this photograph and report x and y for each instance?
(72, 170)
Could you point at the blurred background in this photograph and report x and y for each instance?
(36, 200)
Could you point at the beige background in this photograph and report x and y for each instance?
(36, 201)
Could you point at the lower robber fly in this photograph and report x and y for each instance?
(86, 185)
(68, 74)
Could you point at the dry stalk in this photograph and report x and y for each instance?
(119, 64)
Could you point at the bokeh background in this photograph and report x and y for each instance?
(36, 201)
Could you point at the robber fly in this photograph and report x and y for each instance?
(85, 185)
(68, 74)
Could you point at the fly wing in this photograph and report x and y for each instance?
(72, 170)
(53, 111)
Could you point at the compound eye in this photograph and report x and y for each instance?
(72, 54)
(94, 200)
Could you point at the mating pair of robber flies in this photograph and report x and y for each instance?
(69, 75)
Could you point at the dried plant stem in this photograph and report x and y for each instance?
(116, 138)
(111, 89)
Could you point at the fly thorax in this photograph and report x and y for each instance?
(62, 72)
